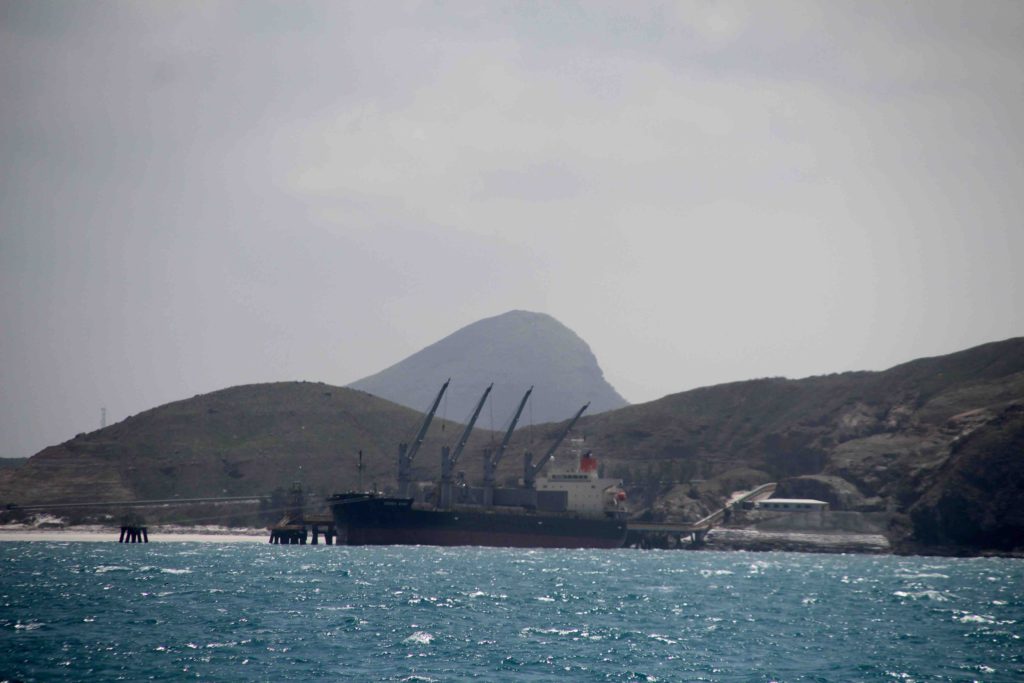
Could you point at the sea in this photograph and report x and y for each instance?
(176, 611)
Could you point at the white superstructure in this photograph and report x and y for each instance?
(587, 492)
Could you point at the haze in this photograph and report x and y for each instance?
(199, 195)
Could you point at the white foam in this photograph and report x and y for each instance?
(421, 638)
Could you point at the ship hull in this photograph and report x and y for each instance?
(377, 520)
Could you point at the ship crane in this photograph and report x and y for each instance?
(491, 460)
(530, 470)
(406, 453)
(449, 458)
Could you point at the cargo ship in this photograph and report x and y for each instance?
(570, 510)
(572, 507)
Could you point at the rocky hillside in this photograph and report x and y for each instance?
(514, 350)
(935, 444)
(238, 441)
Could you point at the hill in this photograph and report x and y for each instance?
(239, 441)
(514, 350)
(933, 446)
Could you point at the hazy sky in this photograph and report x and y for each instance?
(199, 195)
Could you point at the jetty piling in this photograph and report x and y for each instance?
(301, 532)
(134, 534)
(295, 527)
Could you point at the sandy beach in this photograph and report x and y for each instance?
(157, 534)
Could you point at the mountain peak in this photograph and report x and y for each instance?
(515, 350)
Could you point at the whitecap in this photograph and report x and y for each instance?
(975, 619)
(30, 626)
(420, 637)
(557, 631)
(924, 576)
(103, 569)
(922, 595)
(175, 571)
(715, 572)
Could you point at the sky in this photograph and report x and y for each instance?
(196, 195)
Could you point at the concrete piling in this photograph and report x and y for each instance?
(133, 534)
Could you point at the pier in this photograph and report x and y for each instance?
(672, 535)
(296, 526)
(298, 532)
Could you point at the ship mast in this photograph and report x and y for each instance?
(407, 453)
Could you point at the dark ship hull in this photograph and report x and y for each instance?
(370, 519)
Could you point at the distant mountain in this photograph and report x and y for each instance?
(514, 350)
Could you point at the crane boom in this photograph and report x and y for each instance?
(448, 458)
(407, 452)
(469, 426)
(530, 470)
(491, 460)
(511, 428)
(411, 453)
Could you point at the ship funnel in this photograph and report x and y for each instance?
(588, 463)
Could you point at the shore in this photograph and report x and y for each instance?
(718, 539)
(110, 534)
(725, 539)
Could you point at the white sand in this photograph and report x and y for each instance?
(157, 534)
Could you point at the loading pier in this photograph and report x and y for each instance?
(298, 532)
(296, 526)
(671, 535)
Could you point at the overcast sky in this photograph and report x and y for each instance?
(200, 195)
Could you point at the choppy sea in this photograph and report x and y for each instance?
(72, 611)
